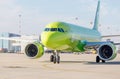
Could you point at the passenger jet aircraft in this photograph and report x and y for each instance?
(61, 36)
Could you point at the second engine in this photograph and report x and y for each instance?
(34, 50)
(107, 51)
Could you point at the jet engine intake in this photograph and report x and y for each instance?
(34, 50)
(107, 51)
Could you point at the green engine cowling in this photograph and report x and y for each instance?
(107, 51)
(34, 50)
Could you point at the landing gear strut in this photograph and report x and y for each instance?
(55, 58)
(98, 59)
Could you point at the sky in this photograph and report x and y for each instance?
(33, 15)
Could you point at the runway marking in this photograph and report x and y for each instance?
(14, 67)
(61, 69)
(47, 66)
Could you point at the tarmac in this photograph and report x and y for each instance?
(83, 66)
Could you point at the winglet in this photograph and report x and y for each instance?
(96, 21)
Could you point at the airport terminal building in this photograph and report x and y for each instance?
(7, 45)
(12, 46)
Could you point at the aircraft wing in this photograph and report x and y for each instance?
(97, 44)
(110, 36)
(93, 44)
(18, 39)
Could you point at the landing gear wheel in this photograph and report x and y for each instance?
(103, 61)
(51, 58)
(97, 59)
(54, 60)
(58, 59)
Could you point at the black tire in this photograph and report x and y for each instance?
(58, 59)
(97, 59)
(103, 61)
(51, 58)
(54, 60)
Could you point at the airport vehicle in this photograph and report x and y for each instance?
(61, 36)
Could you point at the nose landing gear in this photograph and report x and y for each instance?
(55, 58)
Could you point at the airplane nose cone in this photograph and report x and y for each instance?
(50, 39)
(54, 40)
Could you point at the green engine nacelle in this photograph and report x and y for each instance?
(107, 51)
(34, 50)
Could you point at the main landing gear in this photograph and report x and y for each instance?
(55, 58)
(98, 59)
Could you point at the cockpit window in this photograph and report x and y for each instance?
(54, 29)
(47, 29)
(60, 30)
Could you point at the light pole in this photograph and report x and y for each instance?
(20, 24)
(2, 42)
(20, 30)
